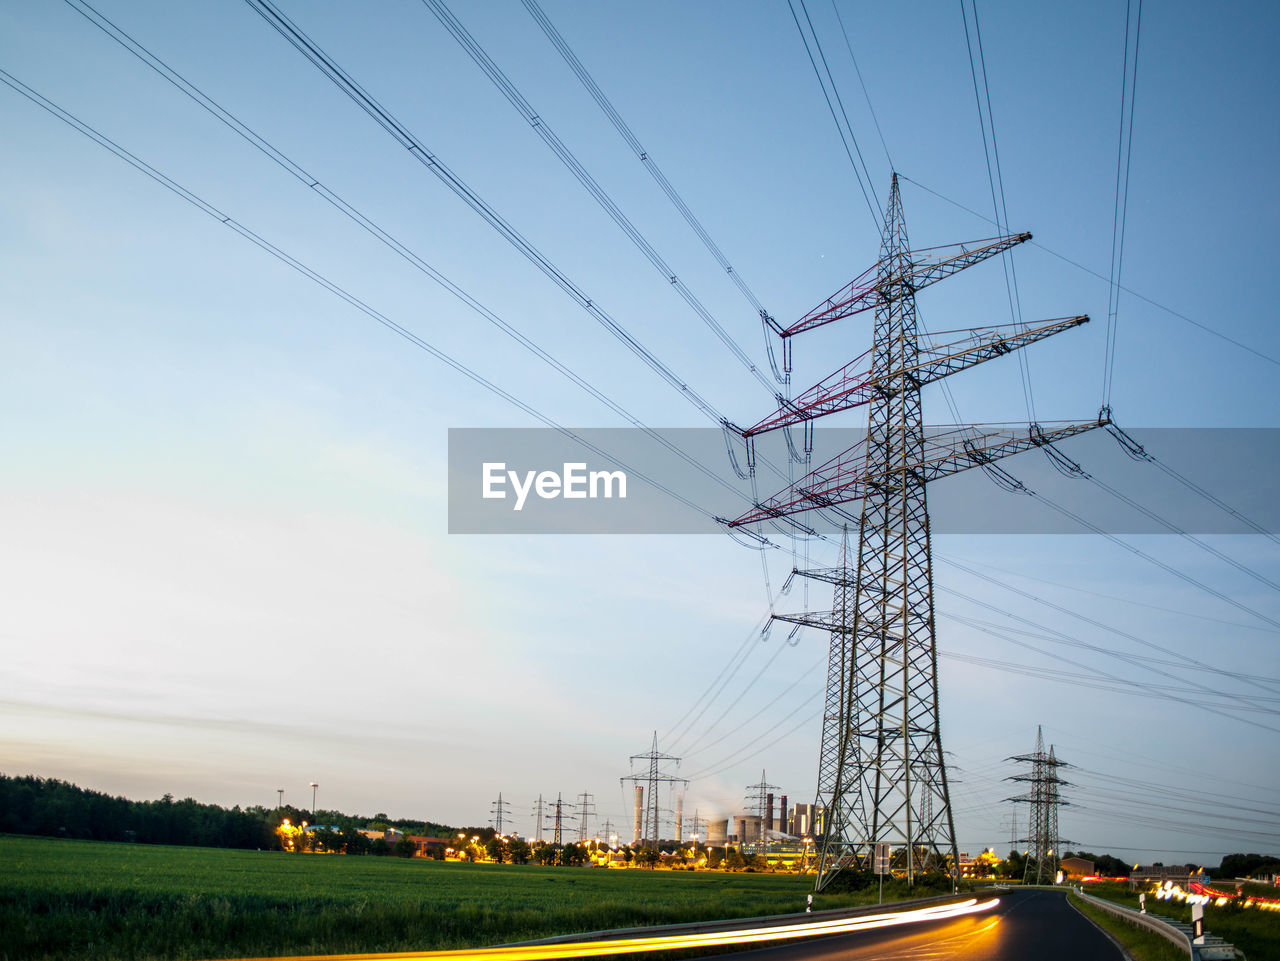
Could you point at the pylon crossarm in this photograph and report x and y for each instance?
(846, 478)
(925, 267)
(853, 385)
(931, 264)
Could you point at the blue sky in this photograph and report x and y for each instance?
(224, 492)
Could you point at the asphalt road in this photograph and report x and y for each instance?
(1027, 926)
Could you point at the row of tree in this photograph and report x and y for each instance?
(53, 808)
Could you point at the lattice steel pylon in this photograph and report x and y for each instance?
(881, 750)
(1044, 845)
(651, 828)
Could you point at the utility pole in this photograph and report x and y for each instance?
(653, 777)
(586, 810)
(881, 733)
(501, 812)
(1044, 844)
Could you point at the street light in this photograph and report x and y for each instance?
(313, 786)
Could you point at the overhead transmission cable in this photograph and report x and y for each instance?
(1004, 635)
(307, 179)
(1124, 151)
(646, 158)
(335, 289)
(1119, 632)
(862, 83)
(995, 178)
(764, 669)
(401, 134)
(592, 186)
(1226, 700)
(1205, 328)
(1266, 619)
(840, 128)
(1164, 608)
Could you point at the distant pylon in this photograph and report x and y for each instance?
(586, 810)
(651, 831)
(760, 795)
(537, 820)
(1044, 846)
(501, 812)
(558, 818)
(882, 737)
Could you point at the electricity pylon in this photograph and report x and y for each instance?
(882, 739)
(761, 797)
(653, 777)
(501, 812)
(1043, 845)
(586, 810)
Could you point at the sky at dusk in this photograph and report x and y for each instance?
(224, 495)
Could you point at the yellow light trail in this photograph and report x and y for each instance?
(596, 949)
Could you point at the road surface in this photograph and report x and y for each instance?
(1027, 926)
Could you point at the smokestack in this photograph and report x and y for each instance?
(768, 815)
(679, 817)
(639, 813)
(783, 826)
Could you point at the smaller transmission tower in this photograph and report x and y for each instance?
(586, 810)
(653, 777)
(762, 801)
(1044, 846)
(698, 827)
(537, 820)
(501, 812)
(558, 818)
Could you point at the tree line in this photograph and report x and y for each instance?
(54, 808)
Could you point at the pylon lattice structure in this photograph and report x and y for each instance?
(501, 812)
(586, 810)
(760, 797)
(1044, 846)
(651, 828)
(558, 817)
(881, 745)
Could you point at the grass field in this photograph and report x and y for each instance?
(64, 899)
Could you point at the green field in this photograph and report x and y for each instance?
(68, 899)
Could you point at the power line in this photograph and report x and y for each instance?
(872, 207)
(335, 289)
(1093, 273)
(589, 183)
(633, 142)
(1124, 152)
(858, 70)
(380, 115)
(1094, 622)
(996, 177)
(415, 260)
